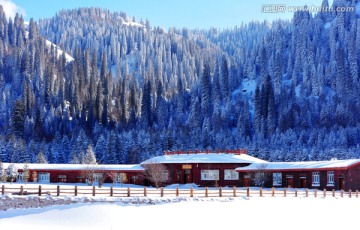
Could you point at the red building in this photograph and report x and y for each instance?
(204, 168)
(75, 173)
(212, 168)
(333, 174)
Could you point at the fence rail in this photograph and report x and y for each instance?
(167, 192)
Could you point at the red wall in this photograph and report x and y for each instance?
(351, 178)
(176, 169)
(72, 176)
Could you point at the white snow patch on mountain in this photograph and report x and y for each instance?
(68, 57)
(128, 22)
(59, 51)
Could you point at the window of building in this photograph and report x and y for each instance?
(62, 178)
(121, 178)
(315, 179)
(277, 179)
(330, 178)
(20, 177)
(209, 174)
(165, 175)
(133, 179)
(44, 177)
(230, 174)
(97, 176)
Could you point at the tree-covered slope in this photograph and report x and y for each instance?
(282, 90)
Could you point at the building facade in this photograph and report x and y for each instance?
(333, 174)
(203, 168)
(209, 168)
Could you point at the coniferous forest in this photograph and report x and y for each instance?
(89, 79)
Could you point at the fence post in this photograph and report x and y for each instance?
(39, 190)
(75, 190)
(295, 192)
(285, 192)
(324, 192)
(177, 191)
(342, 193)
(260, 191)
(315, 192)
(145, 192)
(350, 193)
(161, 191)
(247, 191)
(357, 193)
(93, 191)
(306, 192)
(333, 192)
(272, 191)
(111, 191)
(234, 191)
(191, 192)
(128, 191)
(206, 192)
(21, 190)
(2, 189)
(58, 190)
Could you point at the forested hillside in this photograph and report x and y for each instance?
(126, 89)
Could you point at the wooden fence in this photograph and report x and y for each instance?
(166, 192)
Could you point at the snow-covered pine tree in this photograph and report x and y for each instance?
(90, 156)
(11, 172)
(40, 158)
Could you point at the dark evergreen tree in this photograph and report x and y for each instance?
(224, 78)
(206, 91)
(146, 109)
(18, 119)
(257, 110)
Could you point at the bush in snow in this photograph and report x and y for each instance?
(11, 172)
(2, 173)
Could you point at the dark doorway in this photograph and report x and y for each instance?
(178, 176)
(246, 182)
(302, 182)
(187, 176)
(290, 182)
(341, 182)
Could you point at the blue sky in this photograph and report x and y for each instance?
(166, 13)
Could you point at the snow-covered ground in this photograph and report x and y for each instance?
(197, 213)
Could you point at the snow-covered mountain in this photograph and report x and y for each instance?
(289, 91)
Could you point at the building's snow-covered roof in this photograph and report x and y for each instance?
(304, 166)
(203, 158)
(68, 167)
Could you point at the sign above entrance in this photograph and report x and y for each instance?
(186, 166)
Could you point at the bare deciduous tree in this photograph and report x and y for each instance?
(101, 177)
(123, 178)
(261, 175)
(88, 174)
(156, 173)
(113, 175)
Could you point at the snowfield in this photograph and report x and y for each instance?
(189, 213)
